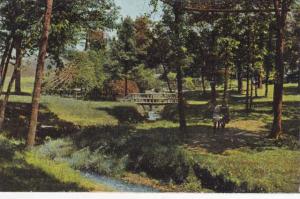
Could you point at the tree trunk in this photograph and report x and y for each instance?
(268, 61)
(225, 95)
(281, 16)
(278, 85)
(3, 103)
(247, 89)
(181, 111)
(240, 79)
(260, 80)
(19, 61)
(39, 76)
(256, 90)
(213, 73)
(5, 53)
(4, 72)
(267, 83)
(87, 41)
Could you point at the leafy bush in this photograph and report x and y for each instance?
(98, 162)
(159, 160)
(56, 149)
(189, 83)
(116, 88)
(63, 150)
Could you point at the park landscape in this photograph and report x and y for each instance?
(70, 122)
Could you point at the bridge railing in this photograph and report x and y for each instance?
(152, 98)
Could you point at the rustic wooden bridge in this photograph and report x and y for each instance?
(152, 99)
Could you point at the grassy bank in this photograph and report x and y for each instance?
(240, 157)
(29, 172)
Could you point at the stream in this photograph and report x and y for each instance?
(118, 185)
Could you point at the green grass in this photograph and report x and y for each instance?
(238, 154)
(63, 172)
(82, 113)
(29, 172)
(274, 170)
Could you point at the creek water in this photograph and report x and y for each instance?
(118, 185)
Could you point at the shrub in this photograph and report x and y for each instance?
(159, 160)
(116, 89)
(189, 84)
(56, 149)
(98, 162)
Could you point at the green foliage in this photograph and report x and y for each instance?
(146, 79)
(172, 76)
(159, 159)
(64, 151)
(189, 84)
(56, 149)
(98, 162)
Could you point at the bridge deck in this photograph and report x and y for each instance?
(152, 98)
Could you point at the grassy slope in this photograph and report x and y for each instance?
(273, 169)
(28, 172)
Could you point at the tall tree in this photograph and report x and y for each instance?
(39, 74)
(124, 50)
(281, 11)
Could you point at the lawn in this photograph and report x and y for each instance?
(240, 157)
(24, 171)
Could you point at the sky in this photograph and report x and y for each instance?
(134, 8)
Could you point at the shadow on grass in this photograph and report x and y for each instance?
(124, 114)
(24, 177)
(291, 90)
(17, 175)
(17, 122)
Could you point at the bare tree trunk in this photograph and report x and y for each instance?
(279, 77)
(240, 78)
(260, 80)
(19, 61)
(267, 83)
(256, 90)
(269, 59)
(225, 95)
(181, 111)
(3, 103)
(4, 72)
(247, 88)
(5, 52)
(39, 76)
(213, 73)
